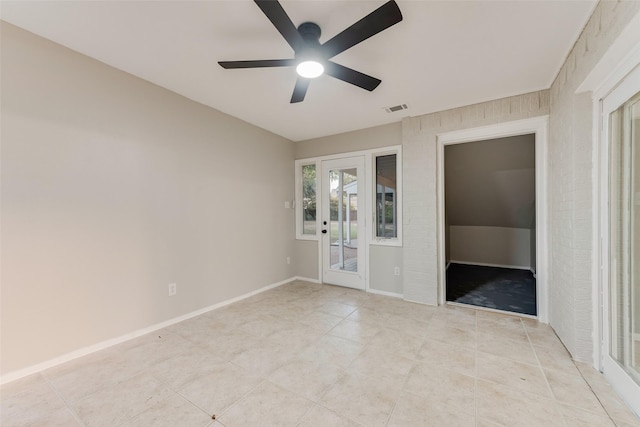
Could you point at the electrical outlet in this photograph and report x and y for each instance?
(396, 271)
(172, 289)
(288, 260)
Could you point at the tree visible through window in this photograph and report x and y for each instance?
(309, 199)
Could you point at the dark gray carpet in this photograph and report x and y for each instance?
(492, 287)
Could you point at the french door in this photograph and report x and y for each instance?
(342, 222)
(621, 293)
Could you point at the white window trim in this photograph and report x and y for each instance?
(298, 198)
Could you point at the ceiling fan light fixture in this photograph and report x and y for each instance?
(310, 57)
(310, 69)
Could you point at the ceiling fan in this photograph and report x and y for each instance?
(311, 58)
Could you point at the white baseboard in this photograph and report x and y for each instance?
(484, 264)
(385, 293)
(21, 373)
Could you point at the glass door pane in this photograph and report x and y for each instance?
(344, 219)
(624, 232)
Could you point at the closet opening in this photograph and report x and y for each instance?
(490, 223)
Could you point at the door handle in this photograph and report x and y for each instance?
(324, 231)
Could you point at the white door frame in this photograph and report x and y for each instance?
(619, 379)
(357, 279)
(538, 126)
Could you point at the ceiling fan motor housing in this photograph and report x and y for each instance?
(310, 33)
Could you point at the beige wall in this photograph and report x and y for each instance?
(365, 139)
(112, 188)
(491, 183)
(499, 246)
(384, 260)
(306, 259)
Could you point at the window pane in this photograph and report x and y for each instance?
(386, 197)
(309, 199)
(343, 215)
(624, 203)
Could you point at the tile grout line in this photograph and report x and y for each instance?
(594, 393)
(237, 401)
(178, 393)
(330, 386)
(395, 404)
(340, 415)
(312, 406)
(544, 375)
(61, 397)
(325, 391)
(327, 388)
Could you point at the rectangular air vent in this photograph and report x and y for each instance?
(395, 108)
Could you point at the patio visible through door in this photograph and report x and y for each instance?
(342, 225)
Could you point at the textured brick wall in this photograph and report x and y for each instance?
(420, 207)
(571, 181)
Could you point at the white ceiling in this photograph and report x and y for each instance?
(443, 54)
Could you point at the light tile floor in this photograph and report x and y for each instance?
(316, 355)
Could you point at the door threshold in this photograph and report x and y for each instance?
(491, 310)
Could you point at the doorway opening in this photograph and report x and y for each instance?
(460, 235)
(490, 223)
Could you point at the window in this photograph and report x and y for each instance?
(309, 199)
(386, 196)
(306, 196)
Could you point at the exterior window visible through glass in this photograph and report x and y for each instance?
(386, 197)
(309, 199)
